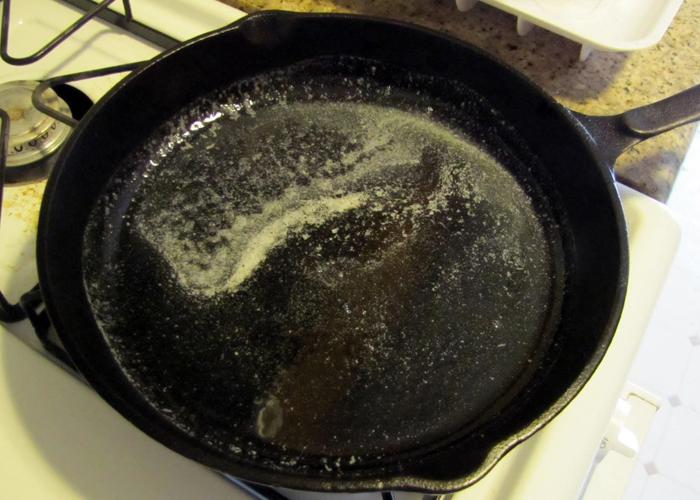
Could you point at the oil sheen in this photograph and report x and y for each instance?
(322, 265)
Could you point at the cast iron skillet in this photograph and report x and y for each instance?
(381, 266)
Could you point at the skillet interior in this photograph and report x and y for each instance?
(292, 264)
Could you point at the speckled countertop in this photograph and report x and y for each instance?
(606, 83)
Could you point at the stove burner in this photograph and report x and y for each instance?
(34, 137)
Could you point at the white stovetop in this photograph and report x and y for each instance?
(58, 439)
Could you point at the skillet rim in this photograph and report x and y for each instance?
(410, 480)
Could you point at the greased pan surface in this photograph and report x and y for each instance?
(342, 262)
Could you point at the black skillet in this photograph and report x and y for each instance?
(380, 266)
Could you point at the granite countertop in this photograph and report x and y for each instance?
(606, 83)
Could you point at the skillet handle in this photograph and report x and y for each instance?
(614, 134)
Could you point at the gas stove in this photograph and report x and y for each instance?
(59, 437)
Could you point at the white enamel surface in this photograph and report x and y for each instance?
(668, 465)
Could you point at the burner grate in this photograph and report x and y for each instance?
(92, 10)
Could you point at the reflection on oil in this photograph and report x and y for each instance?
(269, 420)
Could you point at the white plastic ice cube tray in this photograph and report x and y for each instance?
(609, 25)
